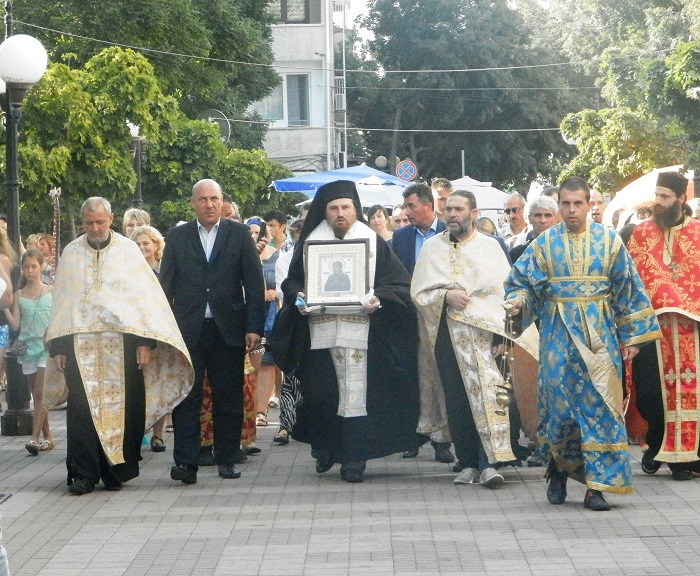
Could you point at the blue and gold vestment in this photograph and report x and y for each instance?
(586, 293)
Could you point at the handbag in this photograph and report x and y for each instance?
(289, 338)
(17, 349)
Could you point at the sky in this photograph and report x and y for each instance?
(357, 7)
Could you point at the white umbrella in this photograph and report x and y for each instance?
(375, 190)
(487, 197)
(638, 193)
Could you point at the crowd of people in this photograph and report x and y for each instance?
(374, 332)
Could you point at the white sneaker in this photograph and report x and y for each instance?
(490, 478)
(274, 402)
(468, 476)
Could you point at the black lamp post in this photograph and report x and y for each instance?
(23, 61)
(138, 153)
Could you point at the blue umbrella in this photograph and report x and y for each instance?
(309, 183)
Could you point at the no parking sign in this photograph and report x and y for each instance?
(406, 170)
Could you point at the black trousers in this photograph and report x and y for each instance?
(223, 365)
(649, 400)
(467, 442)
(84, 454)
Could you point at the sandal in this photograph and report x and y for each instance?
(46, 445)
(282, 437)
(261, 419)
(157, 444)
(33, 447)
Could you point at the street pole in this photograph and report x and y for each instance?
(23, 62)
(138, 197)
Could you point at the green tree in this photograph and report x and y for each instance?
(192, 152)
(452, 35)
(234, 35)
(642, 63)
(75, 133)
(616, 145)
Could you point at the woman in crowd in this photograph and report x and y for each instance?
(133, 218)
(380, 222)
(151, 244)
(8, 259)
(30, 315)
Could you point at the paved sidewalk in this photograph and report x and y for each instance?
(282, 519)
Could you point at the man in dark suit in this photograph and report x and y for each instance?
(406, 243)
(212, 276)
(420, 210)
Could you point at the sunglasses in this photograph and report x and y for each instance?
(513, 210)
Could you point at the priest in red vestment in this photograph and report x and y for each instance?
(666, 251)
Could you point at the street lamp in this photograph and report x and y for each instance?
(138, 151)
(23, 61)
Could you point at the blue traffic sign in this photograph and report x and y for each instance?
(406, 170)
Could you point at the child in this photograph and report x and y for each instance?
(30, 315)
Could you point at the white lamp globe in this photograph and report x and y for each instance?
(23, 60)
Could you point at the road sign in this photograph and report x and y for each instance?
(406, 170)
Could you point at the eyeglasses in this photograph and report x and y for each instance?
(513, 210)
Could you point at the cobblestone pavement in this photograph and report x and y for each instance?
(281, 518)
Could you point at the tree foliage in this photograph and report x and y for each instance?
(439, 36)
(234, 35)
(616, 145)
(636, 51)
(74, 134)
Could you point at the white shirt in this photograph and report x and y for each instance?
(207, 237)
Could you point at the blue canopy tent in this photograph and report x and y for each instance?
(373, 186)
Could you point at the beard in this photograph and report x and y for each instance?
(460, 228)
(667, 217)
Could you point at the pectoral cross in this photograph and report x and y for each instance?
(673, 267)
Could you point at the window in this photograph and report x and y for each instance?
(291, 11)
(296, 11)
(287, 102)
(297, 100)
(272, 107)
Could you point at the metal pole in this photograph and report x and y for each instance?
(17, 419)
(138, 198)
(345, 92)
(463, 167)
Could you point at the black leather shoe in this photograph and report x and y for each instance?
(81, 485)
(353, 472)
(239, 457)
(412, 453)
(680, 474)
(442, 452)
(252, 450)
(649, 465)
(206, 456)
(228, 471)
(556, 491)
(595, 501)
(184, 473)
(324, 462)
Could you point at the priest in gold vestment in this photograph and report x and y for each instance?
(116, 350)
(457, 288)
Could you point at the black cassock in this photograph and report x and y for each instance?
(84, 454)
(392, 372)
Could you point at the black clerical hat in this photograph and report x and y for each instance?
(673, 181)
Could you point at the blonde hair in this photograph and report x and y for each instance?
(155, 236)
(141, 216)
(6, 248)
